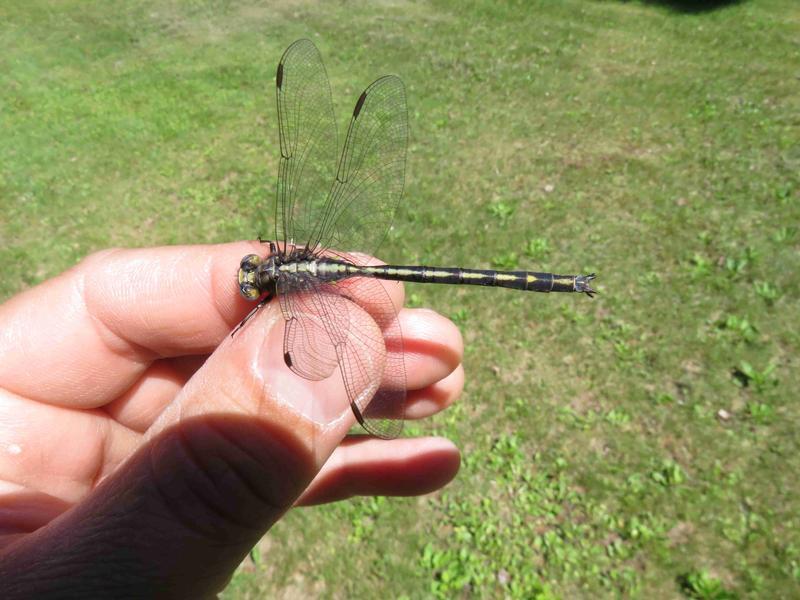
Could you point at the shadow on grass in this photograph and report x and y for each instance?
(692, 6)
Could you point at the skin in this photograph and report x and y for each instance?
(143, 451)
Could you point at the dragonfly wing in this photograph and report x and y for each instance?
(322, 331)
(308, 142)
(380, 412)
(380, 409)
(307, 346)
(371, 173)
(306, 349)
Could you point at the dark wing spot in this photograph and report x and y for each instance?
(279, 75)
(287, 358)
(360, 103)
(357, 413)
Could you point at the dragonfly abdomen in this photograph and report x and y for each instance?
(518, 280)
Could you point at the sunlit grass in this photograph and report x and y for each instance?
(641, 443)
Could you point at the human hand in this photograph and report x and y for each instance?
(143, 451)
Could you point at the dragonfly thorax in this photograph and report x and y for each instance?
(258, 275)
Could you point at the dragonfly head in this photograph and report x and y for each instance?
(248, 277)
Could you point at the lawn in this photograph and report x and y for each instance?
(641, 444)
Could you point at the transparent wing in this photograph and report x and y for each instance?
(371, 173)
(381, 413)
(322, 331)
(307, 348)
(314, 327)
(308, 142)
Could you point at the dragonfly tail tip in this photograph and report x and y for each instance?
(582, 285)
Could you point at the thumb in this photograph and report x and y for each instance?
(226, 459)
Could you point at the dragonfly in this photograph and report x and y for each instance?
(322, 204)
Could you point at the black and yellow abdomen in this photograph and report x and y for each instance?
(518, 280)
(331, 270)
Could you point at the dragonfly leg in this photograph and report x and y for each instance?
(273, 247)
(252, 313)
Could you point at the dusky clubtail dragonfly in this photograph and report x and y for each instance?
(320, 206)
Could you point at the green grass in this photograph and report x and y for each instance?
(643, 444)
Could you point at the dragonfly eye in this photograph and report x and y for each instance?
(249, 291)
(250, 263)
(248, 277)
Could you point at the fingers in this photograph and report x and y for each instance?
(174, 520)
(239, 443)
(432, 351)
(436, 397)
(97, 327)
(143, 402)
(219, 467)
(74, 449)
(365, 466)
(25, 510)
(432, 346)
(55, 451)
(247, 375)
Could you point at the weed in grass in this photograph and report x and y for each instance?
(739, 327)
(649, 278)
(636, 484)
(519, 408)
(569, 416)
(699, 266)
(460, 316)
(363, 523)
(414, 300)
(501, 210)
(617, 417)
(701, 585)
(747, 376)
(550, 519)
(736, 528)
(760, 412)
(785, 235)
(784, 193)
(573, 315)
(789, 555)
(628, 352)
(664, 398)
(705, 111)
(668, 474)
(767, 291)
(736, 265)
(537, 248)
